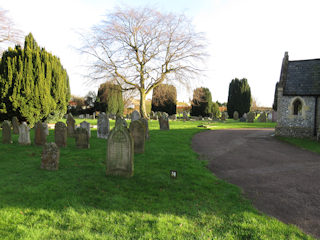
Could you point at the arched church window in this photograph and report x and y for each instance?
(297, 107)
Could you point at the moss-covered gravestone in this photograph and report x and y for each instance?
(250, 117)
(60, 134)
(138, 132)
(262, 117)
(50, 157)
(15, 125)
(120, 154)
(82, 138)
(40, 136)
(6, 132)
(235, 115)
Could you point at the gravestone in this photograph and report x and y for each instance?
(235, 115)
(224, 116)
(269, 116)
(70, 125)
(262, 117)
(146, 125)
(82, 138)
(245, 116)
(120, 153)
(250, 117)
(50, 157)
(86, 125)
(135, 115)
(24, 134)
(87, 116)
(164, 121)
(40, 136)
(15, 125)
(60, 134)
(138, 132)
(46, 128)
(6, 132)
(103, 126)
(120, 120)
(93, 115)
(173, 117)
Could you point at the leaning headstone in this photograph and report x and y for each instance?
(103, 126)
(6, 132)
(262, 117)
(250, 117)
(24, 134)
(138, 132)
(60, 134)
(70, 125)
(50, 157)
(82, 138)
(40, 136)
(15, 125)
(46, 128)
(164, 121)
(235, 115)
(120, 153)
(146, 125)
(86, 125)
(135, 115)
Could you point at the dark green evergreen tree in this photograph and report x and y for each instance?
(164, 99)
(33, 84)
(201, 104)
(109, 98)
(239, 97)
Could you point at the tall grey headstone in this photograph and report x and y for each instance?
(164, 121)
(86, 125)
(15, 125)
(138, 132)
(46, 128)
(103, 126)
(60, 134)
(120, 153)
(70, 125)
(82, 138)
(135, 115)
(50, 157)
(6, 132)
(24, 134)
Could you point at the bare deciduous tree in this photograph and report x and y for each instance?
(8, 33)
(142, 48)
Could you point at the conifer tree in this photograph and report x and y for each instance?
(33, 84)
(201, 104)
(239, 98)
(164, 99)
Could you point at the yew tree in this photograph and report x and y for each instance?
(140, 48)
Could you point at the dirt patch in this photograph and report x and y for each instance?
(280, 179)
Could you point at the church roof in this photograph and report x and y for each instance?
(303, 78)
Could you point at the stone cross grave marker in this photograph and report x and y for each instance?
(70, 125)
(60, 134)
(82, 138)
(40, 136)
(86, 125)
(50, 157)
(120, 153)
(6, 132)
(138, 132)
(103, 126)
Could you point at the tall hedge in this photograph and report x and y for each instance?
(201, 104)
(239, 98)
(33, 84)
(109, 98)
(164, 99)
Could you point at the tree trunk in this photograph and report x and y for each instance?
(143, 111)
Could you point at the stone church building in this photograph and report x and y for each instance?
(298, 96)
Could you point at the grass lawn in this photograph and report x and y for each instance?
(309, 144)
(80, 202)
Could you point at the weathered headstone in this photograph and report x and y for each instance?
(6, 132)
(146, 125)
(93, 115)
(250, 117)
(40, 136)
(24, 134)
(86, 125)
(70, 125)
(120, 154)
(103, 126)
(50, 157)
(164, 121)
(46, 128)
(135, 115)
(122, 121)
(235, 115)
(245, 116)
(269, 116)
(262, 117)
(138, 132)
(87, 116)
(173, 117)
(224, 116)
(82, 138)
(60, 134)
(15, 125)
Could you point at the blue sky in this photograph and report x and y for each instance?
(247, 38)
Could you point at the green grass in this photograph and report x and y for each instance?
(80, 202)
(309, 144)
